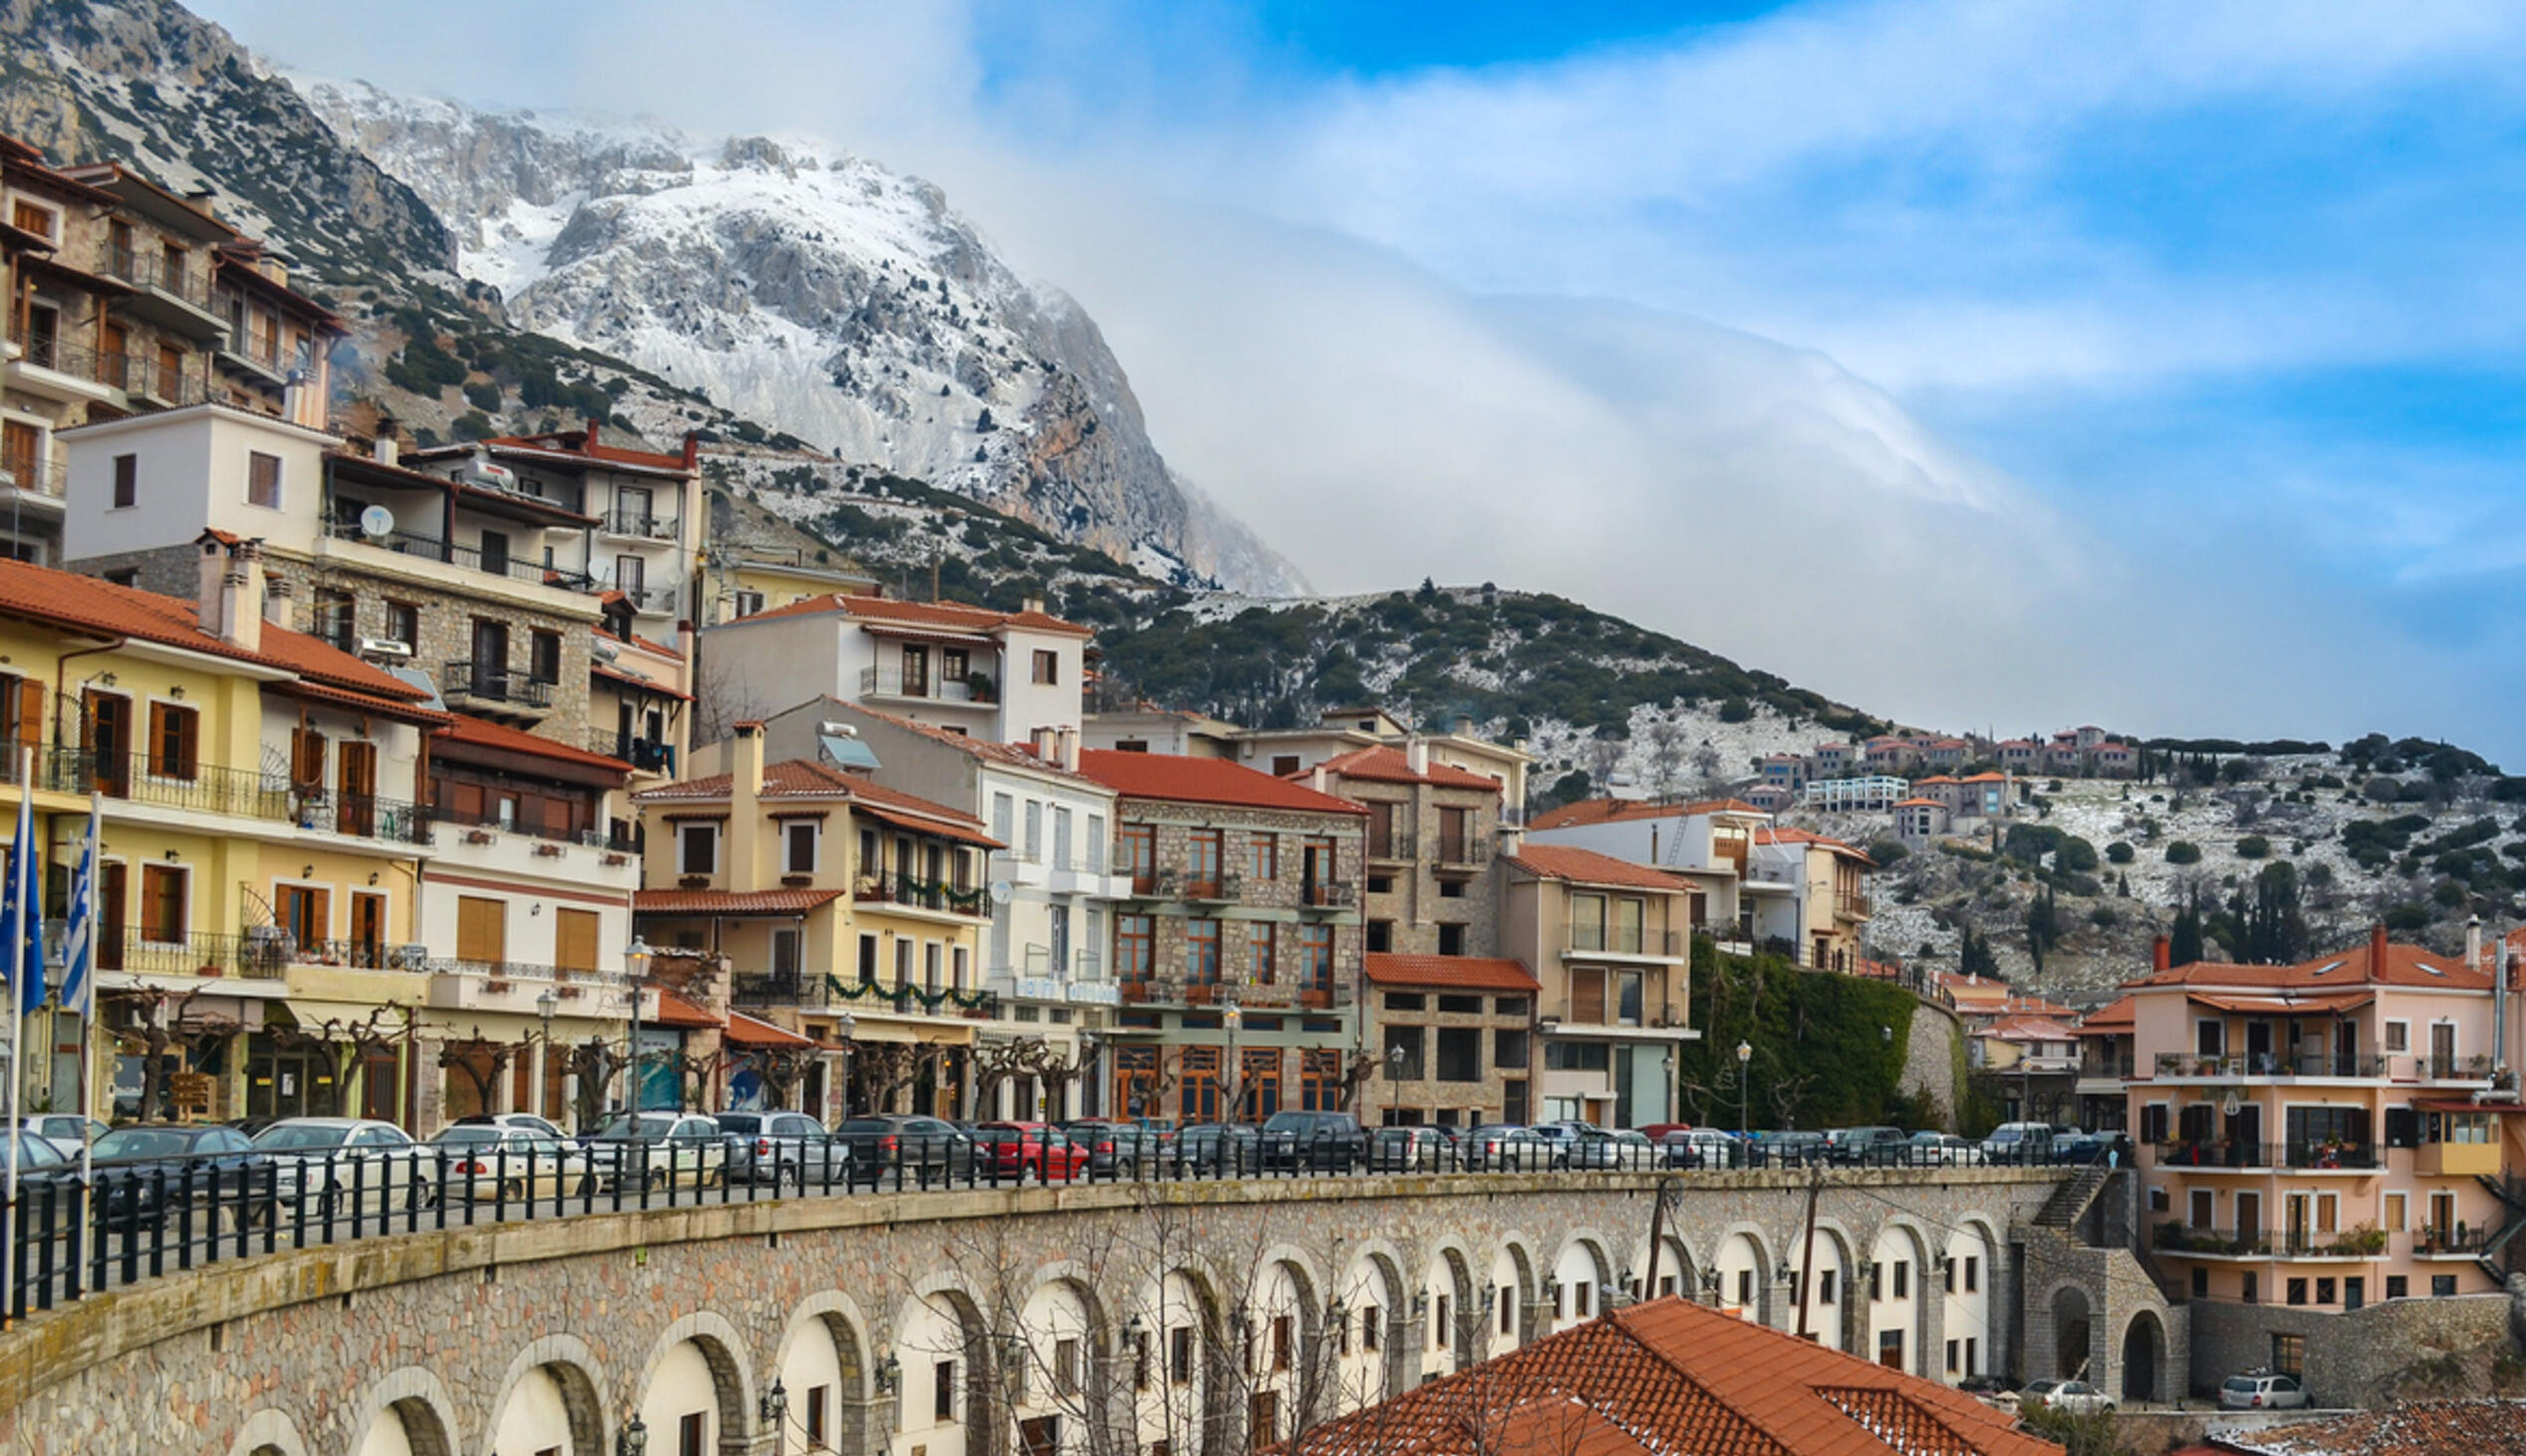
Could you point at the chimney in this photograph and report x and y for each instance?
(593, 441)
(2377, 948)
(299, 404)
(692, 451)
(745, 798)
(1066, 745)
(2473, 942)
(241, 597)
(2161, 952)
(208, 600)
(389, 447)
(1031, 604)
(1319, 780)
(1416, 754)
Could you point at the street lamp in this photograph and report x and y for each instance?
(1089, 1041)
(1674, 1098)
(545, 1005)
(632, 1439)
(635, 960)
(847, 1024)
(1745, 1084)
(1233, 1017)
(775, 1404)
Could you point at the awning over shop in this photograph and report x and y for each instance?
(747, 1031)
(2333, 1004)
(674, 1010)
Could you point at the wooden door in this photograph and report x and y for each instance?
(575, 940)
(368, 930)
(482, 930)
(356, 806)
(113, 883)
(106, 737)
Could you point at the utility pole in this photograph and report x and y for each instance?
(1657, 1239)
(1807, 1258)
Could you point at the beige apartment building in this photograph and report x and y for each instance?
(1611, 947)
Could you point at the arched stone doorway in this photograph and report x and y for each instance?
(2144, 1354)
(2070, 1332)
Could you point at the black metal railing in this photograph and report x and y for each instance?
(37, 477)
(152, 270)
(259, 955)
(2235, 1066)
(175, 783)
(495, 682)
(2458, 1241)
(647, 525)
(2439, 1068)
(894, 682)
(903, 890)
(492, 563)
(142, 1220)
(2230, 1152)
(1398, 846)
(2237, 1242)
(2121, 1067)
(649, 755)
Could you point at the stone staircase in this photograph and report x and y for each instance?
(2070, 1200)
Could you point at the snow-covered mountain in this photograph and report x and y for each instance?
(818, 293)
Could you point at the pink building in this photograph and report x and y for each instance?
(2313, 1136)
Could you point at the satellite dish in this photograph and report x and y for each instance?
(377, 521)
(2230, 1106)
(1000, 891)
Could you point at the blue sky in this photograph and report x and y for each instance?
(2216, 305)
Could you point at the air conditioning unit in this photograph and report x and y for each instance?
(385, 647)
(489, 476)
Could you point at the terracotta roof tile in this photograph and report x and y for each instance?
(1015, 755)
(2107, 1020)
(1384, 765)
(800, 779)
(2414, 1428)
(1617, 811)
(675, 1010)
(1458, 972)
(730, 902)
(2404, 965)
(951, 615)
(749, 1030)
(1587, 866)
(461, 729)
(1674, 1376)
(1203, 781)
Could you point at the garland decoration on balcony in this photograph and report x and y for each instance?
(929, 1000)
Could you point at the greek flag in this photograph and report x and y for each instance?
(22, 913)
(79, 934)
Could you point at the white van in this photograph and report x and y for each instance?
(2020, 1142)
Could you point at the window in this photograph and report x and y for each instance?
(698, 848)
(797, 841)
(1451, 941)
(403, 623)
(2398, 1287)
(943, 1391)
(819, 1401)
(1262, 941)
(1745, 1287)
(1379, 936)
(1201, 864)
(1034, 829)
(2398, 1036)
(1953, 1350)
(2443, 1286)
(126, 481)
(2393, 1223)
(1585, 1297)
(2324, 1292)
(1134, 947)
(2298, 1290)
(1263, 858)
(1973, 1273)
(2252, 1291)
(2201, 1283)
(690, 1434)
(544, 656)
(1284, 765)
(162, 888)
(1202, 952)
(1460, 1005)
(27, 217)
(1508, 1048)
(748, 602)
(336, 617)
(2289, 1354)
(1902, 1279)
(1140, 1361)
(174, 741)
(263, 480)
(1066, 1366)
(1135, 854)
(1824, 1286)
(1315, 956)
(1180, 1354)
(1508, 1309)
(788, 953)
(1047, 666)
(1459, 1053)
(1284, 1341)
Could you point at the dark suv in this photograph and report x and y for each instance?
(1323, 1142)
(1869, 1147)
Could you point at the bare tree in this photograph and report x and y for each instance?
(156, 1025)
(481, 1061)
(345, 1044)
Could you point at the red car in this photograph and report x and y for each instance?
(1019, 1150)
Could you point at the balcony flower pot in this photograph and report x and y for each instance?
(477, 837)
(212, 971)
(549, 852)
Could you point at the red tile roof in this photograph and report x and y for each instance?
(801, 779)
(1015, 755)
(748, 1030)
(461, 729)
(1672, 1378)
(87, 604)
(2031, 1029)
(1455, 972)
(1203, 781)
(2109, 1020)
(731, 901)
(950, 615)
(675, 1010)
(1615, 811)
(1587, 866)
(2412, 1428)
(1384, 765)
(2402, 965)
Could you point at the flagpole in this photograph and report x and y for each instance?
(19, 860)
(87, 986)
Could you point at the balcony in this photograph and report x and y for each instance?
(172, 291)
(891, 682)
(1392, 848)
(645, 755)
(1463, 854)
(2458, 1159)
(495, 685)
(652, 600)
(516, 987)
(1327, 895)
(1851, 907)
(2460, 1241)
(641, 525)
(2214, 1243)
(2268, 1067)
(46, 478)
(760, 989)
(1178, 990)
(2241, 1156)
(2453, 1068)
(497, 563)
(1624, 940)
(1218, 889)
(905, 890)
(236, 792)
(2108, 1068)
(259, 956)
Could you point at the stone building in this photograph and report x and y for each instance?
(1456, 1038)
(1432, 829)
(1238, 951)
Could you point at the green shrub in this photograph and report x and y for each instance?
(483, 396)
(2121, 852)
(2184, 851)
(2253, 846)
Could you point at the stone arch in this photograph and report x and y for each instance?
(941, 1321)
(1284, 1287)
(2144, 1347)
(1369, 1296)
(1181, 1311)
(2066, 1306)
(1824, 1291)
(1971, 1255)
(564, 1377)
(1462, 1345)
(827, 1332)
(1580, 1267)
(1742, 1263)
(669, 1380)
(423, 1418)
(1514, 1263)
(268, 1432)
(1899, 1296)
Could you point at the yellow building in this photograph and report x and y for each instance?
(844, 911)
(262, 840)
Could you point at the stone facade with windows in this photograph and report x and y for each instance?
(1455, 1039)
(1431, 832)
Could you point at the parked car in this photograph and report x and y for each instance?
(65, 1130)
(657, 1150)
(1416, 1150)
(526, 1121)
(1792, 1150)
(483, 1162)
(340, 1165)
(1872, 1147)
(782, 1147)
(1632, 1148)
(1321, 1141)
(1507, 1147)
(1115, 1149)
(1037, 1151)
(1944, 1149)
(1217, 1148)
(2019, 1142)
(1700, 1148)
(1658, 1131)
(2090, 1148)
(2262, 1390)
(2076, 1397)
(140, 1168)
(918, 1150)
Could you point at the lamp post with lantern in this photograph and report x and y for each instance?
(1745, 1085)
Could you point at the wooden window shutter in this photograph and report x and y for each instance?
(30, 712)
(1586, 996)
(575, 940)
(482, 930)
